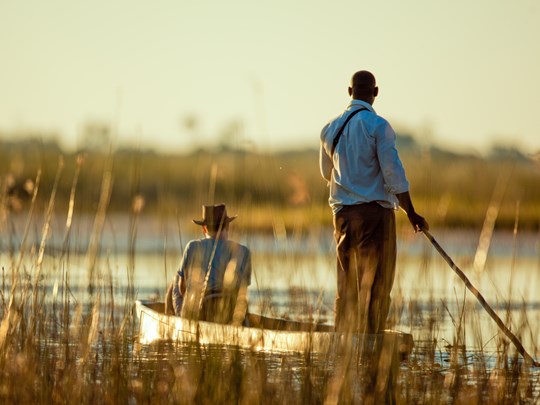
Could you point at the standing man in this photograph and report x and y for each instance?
(359, 160)
(214, 274)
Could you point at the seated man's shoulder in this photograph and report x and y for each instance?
(196, 245)
(200, 242)
(192, 243)
(239, 247)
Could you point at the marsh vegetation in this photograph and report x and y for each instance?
(83, 235)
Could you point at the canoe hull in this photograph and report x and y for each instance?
(264, 334)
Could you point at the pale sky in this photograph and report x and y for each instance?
(460, 73)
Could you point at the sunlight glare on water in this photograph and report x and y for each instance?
(296, 278)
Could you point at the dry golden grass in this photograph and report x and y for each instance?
(55, 348)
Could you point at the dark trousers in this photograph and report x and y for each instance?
(365, 236)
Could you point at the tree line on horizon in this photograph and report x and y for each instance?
(451, 188)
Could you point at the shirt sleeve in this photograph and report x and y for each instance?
(325, 161)
(178, 298)
(247, 268)
(183, 269)
(395, 180)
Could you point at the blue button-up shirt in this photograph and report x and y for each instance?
(365, 166)
(229, 264)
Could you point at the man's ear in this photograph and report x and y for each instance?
(350, 91)
(376, 91)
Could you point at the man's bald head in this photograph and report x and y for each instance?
(363, 86)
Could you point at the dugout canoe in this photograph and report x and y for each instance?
(262, 334)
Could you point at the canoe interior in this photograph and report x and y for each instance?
(263, 322)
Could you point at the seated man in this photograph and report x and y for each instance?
(214, 274)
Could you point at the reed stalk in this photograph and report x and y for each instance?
(99, 221)
(489, 220)
(93, 356)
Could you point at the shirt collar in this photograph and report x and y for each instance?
(360, 103)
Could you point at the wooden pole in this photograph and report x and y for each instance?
(482, 300)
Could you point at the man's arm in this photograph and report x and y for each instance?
(241, 304)
(394, 173)
(177, 295)
(325, 161)
(240, 308)
(417, 221)
(395, 180)
(182, 285)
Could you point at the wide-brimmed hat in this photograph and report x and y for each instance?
(214, 215)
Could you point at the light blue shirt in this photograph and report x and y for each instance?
(229, 264)
(365, 166)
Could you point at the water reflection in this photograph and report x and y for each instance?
(295, 278)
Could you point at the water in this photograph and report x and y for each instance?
(294, 276)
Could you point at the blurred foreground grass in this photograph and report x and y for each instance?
(58, 348)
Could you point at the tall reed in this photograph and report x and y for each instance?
(60, 345)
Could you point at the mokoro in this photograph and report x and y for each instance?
(263, 333)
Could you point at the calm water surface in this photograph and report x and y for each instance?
(294, 276)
